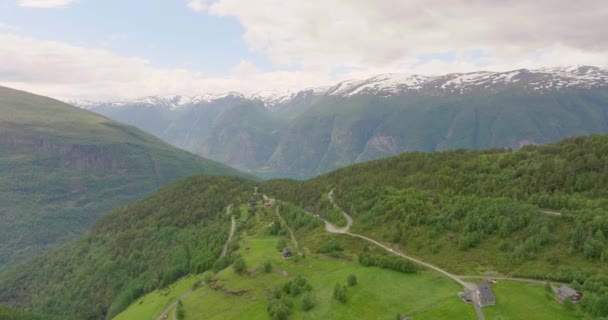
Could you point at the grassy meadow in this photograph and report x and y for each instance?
(518, 300)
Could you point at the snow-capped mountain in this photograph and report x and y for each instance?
(475, 82)
(396, 84)
(170, 102)
(384, 84)
(272, 99)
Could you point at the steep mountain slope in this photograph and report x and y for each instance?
(62, 167)
(130, 251)
(229, 128)
(317, 130)
(339, 131)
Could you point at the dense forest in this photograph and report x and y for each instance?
(539, 212)
(130, 251)
(13, 314)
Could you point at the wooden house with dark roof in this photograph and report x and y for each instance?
(565, 292)
(485, 295)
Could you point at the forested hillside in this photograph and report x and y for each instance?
(540, 212)
(130, 251)
(62, 167)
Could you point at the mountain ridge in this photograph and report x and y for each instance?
(541, 79)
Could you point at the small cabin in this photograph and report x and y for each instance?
(286, 253)
(565, 292)
(485, 295)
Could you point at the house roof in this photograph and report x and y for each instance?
(286, 250)
(485, 292)
(567, 291)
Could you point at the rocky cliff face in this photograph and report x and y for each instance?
(81, 157)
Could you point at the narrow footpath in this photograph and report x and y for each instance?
(172, 306)
(284, 224)
(232, 229)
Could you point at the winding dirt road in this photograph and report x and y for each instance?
(333, 229)
(349, 220)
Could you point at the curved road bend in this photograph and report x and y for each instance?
(349, 219)
(333, 229)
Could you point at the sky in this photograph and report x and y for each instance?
(119, 49)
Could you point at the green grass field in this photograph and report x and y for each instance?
(518, 300)
(380, 293)
(151, 305)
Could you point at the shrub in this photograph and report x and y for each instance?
(351, 280)
(267, 266)
(239, 265)
(308, 302)
(340, 293)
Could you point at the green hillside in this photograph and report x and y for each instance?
(536, 215)
(547, 201)
(304, 286)
(379, 293)
(130, 251)
(61, 168)
(541, 212)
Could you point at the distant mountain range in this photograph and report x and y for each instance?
(309, 132)
(61, 168)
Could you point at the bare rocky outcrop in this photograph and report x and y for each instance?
(65, 155)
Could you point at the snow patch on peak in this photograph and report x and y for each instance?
(384, 84)
(171, 102)
(317, 90)
(565, 69)
(399, 79)
(272, 98)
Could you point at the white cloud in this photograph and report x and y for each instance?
(46, 3)
(70, 72)
(329, 41)
(197, 5)
(324, 35)
(245, 67)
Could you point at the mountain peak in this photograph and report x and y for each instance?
(273, 98)
(533, 80)
(397, 84)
